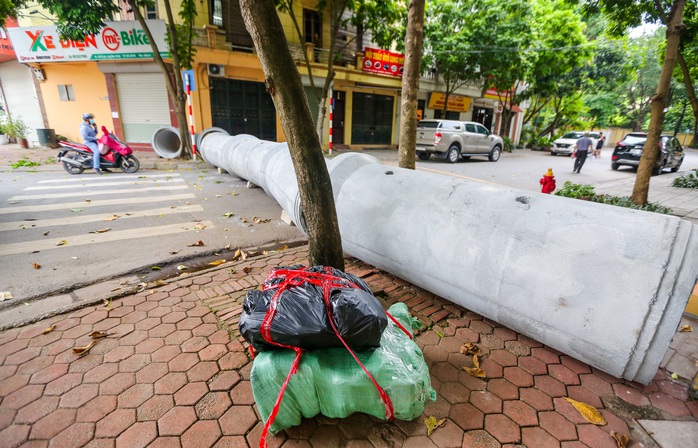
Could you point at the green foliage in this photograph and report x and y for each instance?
(586, 192)
(185, 34)
(24, 161)
(508, 144)
(16, 128)
(689, 180)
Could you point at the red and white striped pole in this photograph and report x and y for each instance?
(191, 115)
(331, 113)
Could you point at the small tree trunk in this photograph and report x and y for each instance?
(410, 84)
(694, 141)
(690, 91)
(284, 85)
(659, 101)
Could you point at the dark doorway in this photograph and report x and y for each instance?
(372, 119)
(243, 107)
(338, 118)
(483, 116)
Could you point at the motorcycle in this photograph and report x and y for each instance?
(77, 157)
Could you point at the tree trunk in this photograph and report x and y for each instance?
(679, 122)
(694, 141)
(410, 84)
(284, 85)
(174, 89)
(659, 102)
(690, 91)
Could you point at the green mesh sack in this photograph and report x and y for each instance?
(331, 383)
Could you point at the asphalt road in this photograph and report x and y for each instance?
(58, 231)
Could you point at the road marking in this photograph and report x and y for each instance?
(82, 240)
(106, 178)
(99, 217)
(98, 192)
(104, 184)
(98, 203)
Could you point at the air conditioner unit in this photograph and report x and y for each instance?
(216, 70)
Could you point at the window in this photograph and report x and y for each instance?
(470, 128)
(312, 23)
(217, 12)
(482, 130)
(151, 12)
(65, 92)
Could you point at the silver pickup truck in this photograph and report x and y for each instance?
(450, 140)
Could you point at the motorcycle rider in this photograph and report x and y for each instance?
(88, 131)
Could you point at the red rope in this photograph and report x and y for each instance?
(327, 281)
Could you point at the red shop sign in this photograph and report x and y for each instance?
(383, 62)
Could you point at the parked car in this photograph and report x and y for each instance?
(565, 144)
(450, 140)
(629, 150)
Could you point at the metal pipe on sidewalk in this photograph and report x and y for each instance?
(603, 284)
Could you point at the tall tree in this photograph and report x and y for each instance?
(410, 84)
(77, 19)
(284, 85)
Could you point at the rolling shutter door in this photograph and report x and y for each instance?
(143, 104)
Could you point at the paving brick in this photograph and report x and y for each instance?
(480, 439)
(154, 408)
(518, 376)
(439, 408)
(631, 394)
(212, 405)
(15, 435)
(491, 368)
(505, 334)
(538, 438)
(139, 435)
(166, 353)
(151, 372)
(212, 352)
(594, 436)
(115, 423)
(502, 428)
(76, 435)
(471, 382)
(242, 394)
(190, 394)
(410, 442)
(674, 388)
(536, 399)
(564, 408)
(352, 427)
(48, 374)
(135, 396)
(36, 410)
(201, 434)
(162, 330)
(467, 335)
(596, 384)
(117, 384)
(458, 360)
(448, 436)
(615, 423)
(170, 383)
(134, 338)
(564, 374)
(183, 362)
(6, 417)
(669, 404)
(520, 412)
(533, 365)
(100, 373)
(581, 393)
(32, 366)
(96, 409)
(557, 425)
(203, 371)
(444, 371)
(119, 354)
(450, 344)
(78, 396)
(176, 421)
(52, 424)
(575, 365)
(503, 358)
(60, 385)
(503, 389)
(550, 386)
(435, 353)
(487, 402)
(22, 397)
(239, 419)
(454, 392)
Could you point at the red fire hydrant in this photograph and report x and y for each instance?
(547, 182)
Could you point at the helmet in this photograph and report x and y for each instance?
(87, 116)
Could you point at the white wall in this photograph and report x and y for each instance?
(21, 96)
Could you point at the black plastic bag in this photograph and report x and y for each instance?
(301, 318)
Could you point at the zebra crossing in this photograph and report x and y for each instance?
(48, 215)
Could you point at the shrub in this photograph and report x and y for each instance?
(586, 192)
(508, 144)
(689, 180)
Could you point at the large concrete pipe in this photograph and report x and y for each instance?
(166, 142)
(604, 284)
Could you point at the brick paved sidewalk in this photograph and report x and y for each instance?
(170, 374)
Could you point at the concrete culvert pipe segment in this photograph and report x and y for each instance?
(603, 284)
(166, 142)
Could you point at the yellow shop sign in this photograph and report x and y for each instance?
(456, 103)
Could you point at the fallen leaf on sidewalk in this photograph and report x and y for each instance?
(621, 439)
(431, 424)
(260, 220)
(155, 268)
(87, 200)
(37, 266)
(199, 227)
(98, 335)
(5, 296)
(227, 246)
(174, 252)
(475, 371)
(470, 349)
(229, 214)
(61, 243)
(686, 329)
(197, 244)
(247, 269)
(104, 230)
(590, 413)
(217, 262)
(83, 350)
(49, 329)
(111, 218)
(76, 210)
(46, 233)
(181, 267)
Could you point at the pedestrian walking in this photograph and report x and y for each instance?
(599, 145)
(581, 150)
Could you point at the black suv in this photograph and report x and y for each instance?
(629, 150)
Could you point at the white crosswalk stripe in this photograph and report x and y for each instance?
(51, 204)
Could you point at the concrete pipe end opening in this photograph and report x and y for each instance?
(166, 142)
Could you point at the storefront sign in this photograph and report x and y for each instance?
(383, 62)
(7, 53)
(493, 94)
(456, 103)
(116, 41)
